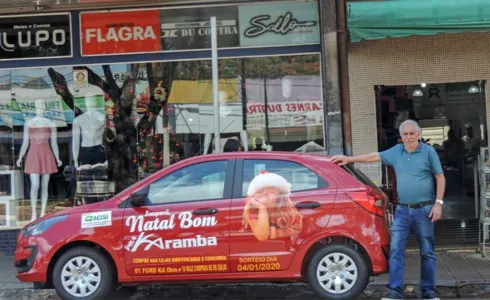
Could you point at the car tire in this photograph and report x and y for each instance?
(338, 265)
(95, 275)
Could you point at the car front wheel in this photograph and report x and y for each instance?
(338, 272)
(82, 273)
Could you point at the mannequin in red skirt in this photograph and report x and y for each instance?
(42, 155)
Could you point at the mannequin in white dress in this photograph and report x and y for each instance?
(40, 143)
(89, 126)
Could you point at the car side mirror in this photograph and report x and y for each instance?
(138, 198)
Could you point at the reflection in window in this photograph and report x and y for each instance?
(300, 177)
(116, 124)
(204, 181)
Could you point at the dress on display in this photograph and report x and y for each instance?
(40, 158)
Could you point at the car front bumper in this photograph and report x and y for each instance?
(30, 261)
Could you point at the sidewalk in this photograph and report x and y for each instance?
(459, 275)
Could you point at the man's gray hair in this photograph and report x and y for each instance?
(409, 122)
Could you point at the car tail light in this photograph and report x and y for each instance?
(370, 200)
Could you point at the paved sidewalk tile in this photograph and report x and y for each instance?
(479, 264)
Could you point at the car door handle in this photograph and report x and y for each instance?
(205, 211)
(304, 205)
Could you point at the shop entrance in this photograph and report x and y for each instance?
(452, 117)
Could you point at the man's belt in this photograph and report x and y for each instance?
(417, 205)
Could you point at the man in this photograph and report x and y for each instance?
(472, 143)
(416, 164)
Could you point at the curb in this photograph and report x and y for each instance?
(298, 291)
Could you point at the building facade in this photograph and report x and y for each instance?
(430, 71)
(92, 100)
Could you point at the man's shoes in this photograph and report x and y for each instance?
(392, 296)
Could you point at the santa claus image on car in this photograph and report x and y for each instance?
(269, 212)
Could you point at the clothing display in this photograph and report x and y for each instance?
(92, 155)
(93, 185)
(40, 158)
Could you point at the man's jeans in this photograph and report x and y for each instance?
(408, 220)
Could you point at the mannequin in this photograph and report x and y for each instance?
(41, 161)
(90, 127)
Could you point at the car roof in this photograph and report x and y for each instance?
(263, 154)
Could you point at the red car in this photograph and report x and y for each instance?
(234, 217)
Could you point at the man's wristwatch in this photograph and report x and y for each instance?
(440, 201)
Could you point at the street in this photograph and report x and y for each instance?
(242, 292)
(459, 276)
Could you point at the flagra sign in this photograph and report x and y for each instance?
(35, 36)
(143, 31)
(120, 32)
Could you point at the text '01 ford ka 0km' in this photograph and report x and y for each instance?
(243, 216)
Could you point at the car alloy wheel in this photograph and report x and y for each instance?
(83, 273)
(337, 273)
(81, 276)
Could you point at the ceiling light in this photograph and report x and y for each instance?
(423, 84)
(417, 93)
(473, 89)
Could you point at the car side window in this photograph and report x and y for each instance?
(199, 182)
(300, 177)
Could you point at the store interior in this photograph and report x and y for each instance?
(103, 127)
(453, 120)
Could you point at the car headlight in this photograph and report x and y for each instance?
(42, 226)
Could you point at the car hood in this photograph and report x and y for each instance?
(68, 211)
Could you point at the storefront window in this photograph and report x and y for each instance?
(77, 135)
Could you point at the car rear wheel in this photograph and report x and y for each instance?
(82, 273)
(338, 272)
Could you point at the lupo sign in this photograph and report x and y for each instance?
(35, 36)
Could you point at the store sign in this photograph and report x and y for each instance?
(142, 31)
(35, 36)
(285, 114)
(120, 32)
(190, 28)
(273, 24)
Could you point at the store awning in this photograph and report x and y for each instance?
(381, 19)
